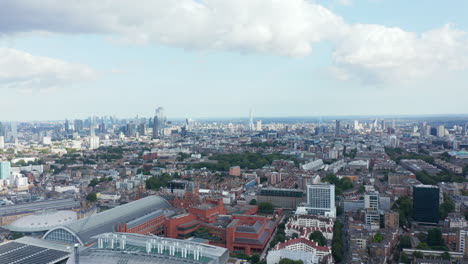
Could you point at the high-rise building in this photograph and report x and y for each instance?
(159, 122)
(78, 124)
(441, 131)
(2, 142)
(338, 128)
(426, 203)
(155, 127)
(251, 123)
(142, 129)
(5, 169)
(14, 131)
(321, 199)
(2, 132)
(259, 125)
(93, 142)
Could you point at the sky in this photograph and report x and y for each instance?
(221, 58)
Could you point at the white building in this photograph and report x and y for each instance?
(313, 252)
(320, 200)
(93, 142)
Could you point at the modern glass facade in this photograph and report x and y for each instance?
(426, 203)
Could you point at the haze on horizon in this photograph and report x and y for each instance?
(220, 58)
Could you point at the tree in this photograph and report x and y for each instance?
(318, 237)
(254, 258)
(265, 208)
(290, 261)
(253, 202)
(91, 197)
(404, 258)
(446, 256)
(423, 246)
(361, 189)
(378, 238)
(448, 206)
(434, 237)
(418, 254)
(405, 242)
(93, 183)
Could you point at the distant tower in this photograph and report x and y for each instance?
(466, 129)
(338, 128)
(14, 131)
(251, 123)
(159, 122)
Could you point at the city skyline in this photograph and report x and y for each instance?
(342, 57)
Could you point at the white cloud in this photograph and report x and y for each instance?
(370, 53)
(24, 71)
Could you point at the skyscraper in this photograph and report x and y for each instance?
(2, 142)
(159, 122)
(321, 199)
(1, 129)
(78, 124)
(5, 168)
(441, 131)
(426, 203)
(251, 123)
(338, 128)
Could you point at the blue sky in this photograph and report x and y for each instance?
(220, 58)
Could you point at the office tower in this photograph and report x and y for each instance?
(321, 199)
(78, 124)
(259, 125)
(131, 129)
(155, 127)
(426, 203)
(5, 168)
(67, 126)
(159, 122)
(2, 142)
(356, 124)
(383, 124)
(2, 132)
(14, 131)
(142, 129)
(251, 123)
(338, 128)
(441, 131)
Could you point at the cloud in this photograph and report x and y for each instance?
(369, 53)
(24, 71)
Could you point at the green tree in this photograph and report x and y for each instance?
(404, 258)
(290, 261)
(253, 202)
(93, 183)
(434, 237)
(448, 206)
(265, 208)
(446, 256)
(254, 258)
(423, 246)
(318, 237)
(418, 255)
(405, 242)
(91, 197)
(378, 238)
